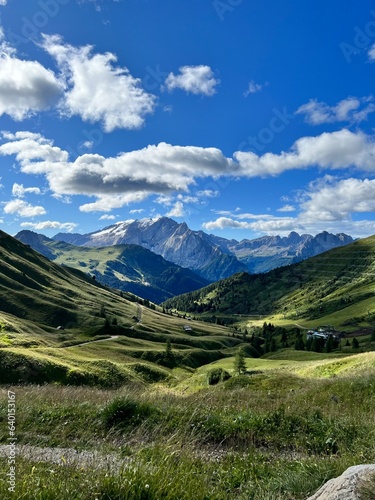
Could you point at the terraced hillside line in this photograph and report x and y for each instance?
(139, 314)
(112, 337)
(68, 456)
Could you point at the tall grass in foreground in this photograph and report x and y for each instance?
(160, 473)
(270, 435)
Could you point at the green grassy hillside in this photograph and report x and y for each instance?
(336, 287)
(46, 310)
(278, 432)
(130, 268)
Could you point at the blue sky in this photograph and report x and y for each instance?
(241, 118)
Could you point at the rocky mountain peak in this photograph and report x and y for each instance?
(212, 257)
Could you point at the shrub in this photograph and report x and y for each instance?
(240, 381)
(150, 373)
(217, 375)
(126, 411)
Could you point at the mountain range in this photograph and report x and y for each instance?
(210, 256)
(129, 268)
(335, 286)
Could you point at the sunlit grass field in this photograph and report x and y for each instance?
(279, 432)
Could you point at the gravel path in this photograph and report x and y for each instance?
(68, 456)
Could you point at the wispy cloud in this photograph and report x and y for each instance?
(254, 88)
(287, 208)
(371, 53)
(65, 226)
(352, 109)
(107, 217)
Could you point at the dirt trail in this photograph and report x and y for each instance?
(112, 337)
(68, 456)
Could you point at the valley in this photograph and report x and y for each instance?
(106, 374)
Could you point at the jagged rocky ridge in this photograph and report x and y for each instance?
(210, 256)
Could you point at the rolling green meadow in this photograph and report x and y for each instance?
(115, 397)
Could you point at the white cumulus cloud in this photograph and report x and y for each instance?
(177, 210)
(334, 200)
(335, 150)
(106, 203)
(19, 190)
(328, 204)
(170, 171)
(22, 208)
(193, 80)
(116, 181)
(26, 87)
(97, 90)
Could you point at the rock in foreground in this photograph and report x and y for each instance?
(345, 487)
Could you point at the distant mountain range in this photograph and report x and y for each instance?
(269, 252)
(130, 268)
(210, 256)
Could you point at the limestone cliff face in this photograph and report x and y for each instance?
(269, 252)
(210, 256)
(173, 241)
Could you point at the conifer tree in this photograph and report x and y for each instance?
(273, 345)
(239, 362)
(329, 344)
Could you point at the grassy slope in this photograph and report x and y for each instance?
(336, 287)
(37, 296)
(277, 434)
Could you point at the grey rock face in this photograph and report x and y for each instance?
(173, 241)
(345, 487)
(269, 252)
(210, 256)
